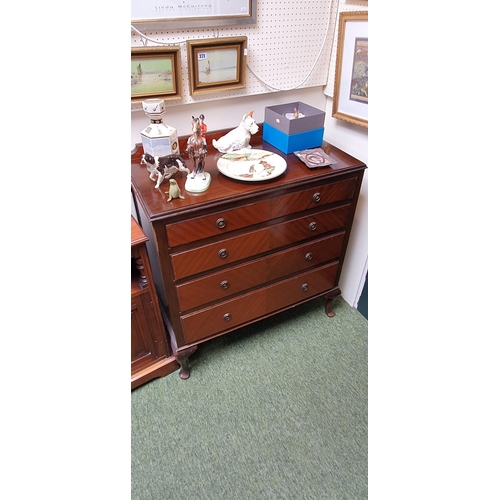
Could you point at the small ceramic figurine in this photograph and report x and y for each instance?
(199, 180)
(197, 147)
(293, 116)
(174, 190)
(238, 138)
(161, 168)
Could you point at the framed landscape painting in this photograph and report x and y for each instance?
(154, 73)
(216, 64)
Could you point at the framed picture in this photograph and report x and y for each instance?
(155, 73)
(350, 101)
(216, 64)
(151, 14)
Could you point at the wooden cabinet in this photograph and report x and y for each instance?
(151, 353)
(243, 251)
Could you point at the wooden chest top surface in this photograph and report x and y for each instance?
(224, 189)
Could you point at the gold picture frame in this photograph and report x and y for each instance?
(350, 101)
(216, 64)
(155, 73)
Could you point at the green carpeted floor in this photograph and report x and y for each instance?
(276, 410)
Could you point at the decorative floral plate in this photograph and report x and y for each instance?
(251, 165)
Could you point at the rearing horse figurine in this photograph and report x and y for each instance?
(197, 148)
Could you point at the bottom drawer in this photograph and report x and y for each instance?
(251, 306)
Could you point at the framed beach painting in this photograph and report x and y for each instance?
(155, 73)
(350, 102)
(216, 64)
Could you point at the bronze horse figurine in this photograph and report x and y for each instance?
(197, 148)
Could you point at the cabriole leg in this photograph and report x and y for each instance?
(182, 358)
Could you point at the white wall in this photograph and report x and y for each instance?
(352, 139)
(226, 113)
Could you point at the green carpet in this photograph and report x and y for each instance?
(275, 410)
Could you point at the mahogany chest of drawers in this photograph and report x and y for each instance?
(243, 251)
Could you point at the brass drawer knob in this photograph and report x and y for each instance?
(227, 317)
(221, 223)
(224, 284)
(305, 287)
(309, 256)
(317, 197)
(223, 253)
(313, 226)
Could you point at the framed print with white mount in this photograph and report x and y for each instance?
(173, 14)
(350, 100)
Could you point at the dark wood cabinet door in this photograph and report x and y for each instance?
(146, 347)
(151, 355)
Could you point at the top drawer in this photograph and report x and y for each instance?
(199, 228)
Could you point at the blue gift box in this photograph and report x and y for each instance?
(293, 126)
(288, 143)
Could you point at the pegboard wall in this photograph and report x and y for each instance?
(290, 46)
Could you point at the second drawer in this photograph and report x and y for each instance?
(229, 250)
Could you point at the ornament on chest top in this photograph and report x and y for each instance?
(160, 144)
(238, 138)
(174, 191)
(162, 168)
(199, 180)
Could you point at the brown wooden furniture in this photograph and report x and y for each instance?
(151, 353)
(243, 251)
